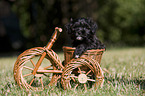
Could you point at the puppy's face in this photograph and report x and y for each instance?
(81, 28)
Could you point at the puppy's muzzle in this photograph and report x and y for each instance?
(79, 38)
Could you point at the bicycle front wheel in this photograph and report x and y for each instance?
(25, 65)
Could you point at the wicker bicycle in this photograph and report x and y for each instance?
(39, 68)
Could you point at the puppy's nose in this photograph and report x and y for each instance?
(79, 38)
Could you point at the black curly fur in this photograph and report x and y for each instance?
(83, 33)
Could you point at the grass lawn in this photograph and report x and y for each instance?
(126, 76)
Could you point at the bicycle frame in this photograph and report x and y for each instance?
(48, 47)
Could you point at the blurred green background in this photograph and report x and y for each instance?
(30, 23)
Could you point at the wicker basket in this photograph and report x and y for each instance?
(94, 54)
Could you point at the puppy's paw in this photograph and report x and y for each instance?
(77, 56)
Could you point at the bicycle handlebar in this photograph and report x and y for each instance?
(54, 37)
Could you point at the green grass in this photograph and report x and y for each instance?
(126, 76)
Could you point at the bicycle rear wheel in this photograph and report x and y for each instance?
(82, 73)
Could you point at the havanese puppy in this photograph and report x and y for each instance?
(83, 34)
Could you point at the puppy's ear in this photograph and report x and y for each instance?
(93, 25)
(68, 26)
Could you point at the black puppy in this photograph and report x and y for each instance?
(83, 33)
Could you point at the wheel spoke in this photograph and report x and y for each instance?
(47, 67)
(76, 86)
(41, 83)
(32, 62)
(27, 75)
(80, 70)
(91, 80)
(74, 76)
(73, 79)
(85, 86)
(32, 81)
(28, 67)
(88, 72)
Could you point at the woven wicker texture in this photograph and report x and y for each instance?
(88, 65)
(40, 67)
(94, 54)
(25, 62)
